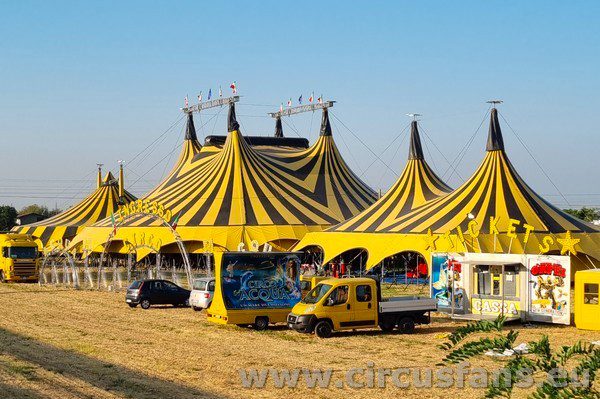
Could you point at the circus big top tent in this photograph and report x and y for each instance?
(105, 200)
(235, 193)
(493, 211)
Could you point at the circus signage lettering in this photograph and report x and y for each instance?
(566, 243)
(144, 207)
(495, 306)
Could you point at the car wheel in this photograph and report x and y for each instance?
(197, 308)
(323, 329)
(261, 323)
(145, 304)
(406, 325)
(132, 305)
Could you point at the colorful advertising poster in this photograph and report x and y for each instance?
(446, 282)
(549, 289)
(260, 280)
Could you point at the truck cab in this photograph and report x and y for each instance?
(355, 303)
(19, 258)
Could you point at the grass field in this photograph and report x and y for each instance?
(62, 343)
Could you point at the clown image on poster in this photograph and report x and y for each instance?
(550, 289)
(446, 282)
(260, 280)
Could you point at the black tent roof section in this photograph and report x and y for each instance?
(232, 123)
(416, 150)
(278, 127)
(190, 130)
(293, 142)
(495, 141)
(325, 126)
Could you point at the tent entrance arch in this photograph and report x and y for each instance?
(404, 271)
(63, 269)
(152, 246)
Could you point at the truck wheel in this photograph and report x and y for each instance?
(406, 325)
(261, 323)
(2, 280)
(323, 329)
(387, 326)
(145, 304)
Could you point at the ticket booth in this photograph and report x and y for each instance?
(587, 305)
(478, 286)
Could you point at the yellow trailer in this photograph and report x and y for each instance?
(19, 258)
(255, 288)
(587, 306)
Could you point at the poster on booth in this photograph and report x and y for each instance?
(549, 289)
(446, 282)
(260, 280)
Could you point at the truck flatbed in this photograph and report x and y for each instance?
(407, 304)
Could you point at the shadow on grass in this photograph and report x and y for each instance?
(9, 391)
(103, 375)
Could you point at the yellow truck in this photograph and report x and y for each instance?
(355, 303)
(19, 258)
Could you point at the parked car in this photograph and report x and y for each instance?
(203, 290)
(156, 292)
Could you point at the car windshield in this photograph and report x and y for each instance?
(316, 293)
(135, 285)
(200, 285)
(23, 252)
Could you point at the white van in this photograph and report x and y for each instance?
(203, 290)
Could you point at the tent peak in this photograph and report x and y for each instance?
(325, 125)
(232, 123)
(278, 127)
(416, 150)
(190, 129)
(495, 141)
(108, 179)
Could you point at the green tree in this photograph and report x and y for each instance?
(587, 214)
(8, 217)
(40, 209)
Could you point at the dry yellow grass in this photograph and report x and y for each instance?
(87, 344)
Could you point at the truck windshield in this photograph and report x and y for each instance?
(22, 252)
(316, 293)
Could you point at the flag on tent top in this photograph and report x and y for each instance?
(220, 92)
(200, 97)
(186, 102)
(209, 93)
(300, 99)
(310, 99)
(281, 107)
(290, 102)
(233, 87)
(320, 99)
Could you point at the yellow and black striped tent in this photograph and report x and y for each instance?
(237, 193)
(417, 184)
(493, 211)
(108, 196)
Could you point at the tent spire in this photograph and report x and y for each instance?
(278, 127)
(495, 141)
(99, 178)
(325, 126)
(232, 123)
(121, 180)
(190, 130)
(416, 150)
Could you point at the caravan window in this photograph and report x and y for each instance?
(484, 280)
(510, 280)
(590, 294)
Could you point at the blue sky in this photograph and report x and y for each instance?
(85, 82)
